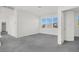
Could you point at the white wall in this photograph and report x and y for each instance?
(76, 28)
(28, 24)
(53, 31)
(9, 16)
(12, 23)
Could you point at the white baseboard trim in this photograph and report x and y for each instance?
(49, 33)
(69, 40)
(26, 35)
(76, 36)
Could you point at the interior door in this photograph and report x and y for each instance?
(69, 26)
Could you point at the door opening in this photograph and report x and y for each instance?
(4, 32)
(69, 25)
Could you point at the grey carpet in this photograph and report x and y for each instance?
(37, 43)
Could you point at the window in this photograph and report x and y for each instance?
(49, 22)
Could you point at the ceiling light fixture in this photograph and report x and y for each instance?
(39, 6)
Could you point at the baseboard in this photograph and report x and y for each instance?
(76, 36)
(48, 33)
(26, 35)
(68, 40)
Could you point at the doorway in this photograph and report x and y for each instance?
(4, 32)
(76, 22)
(71, 24)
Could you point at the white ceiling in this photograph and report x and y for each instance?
(76, 9)
(40, 10)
